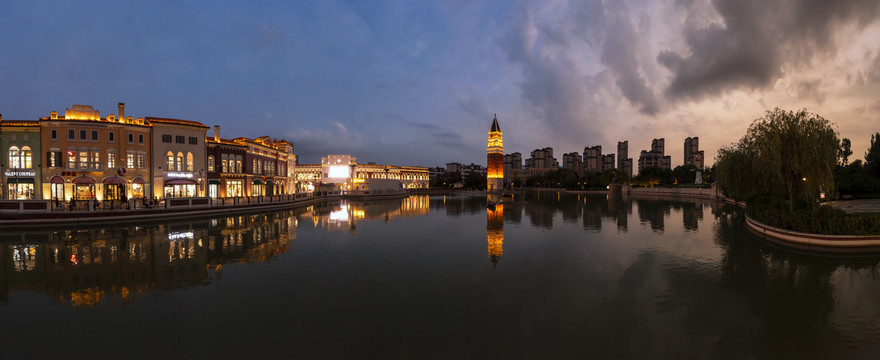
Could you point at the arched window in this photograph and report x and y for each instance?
(189, 161)
(14, 158)
(169, 163)
(211, 163)
(179, 161)
(27, 158)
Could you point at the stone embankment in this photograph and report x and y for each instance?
(29, 213)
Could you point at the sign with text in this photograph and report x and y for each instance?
(177, 174)
(21, 173)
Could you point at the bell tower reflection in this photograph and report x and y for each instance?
(495, 231)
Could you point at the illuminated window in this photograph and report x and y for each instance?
(83, 159)
(179, 162)
(141, 161)
(189, 161)
(223, 165)
(169, 162)
(14, 157)
(129, 160)
(54, 159)
(111, 160)
(237, 166)
(96, 160)
(71, 159)
(211, 163)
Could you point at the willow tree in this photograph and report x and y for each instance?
(784, 152)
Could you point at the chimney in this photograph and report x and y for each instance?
(121, 111)
(217, 133)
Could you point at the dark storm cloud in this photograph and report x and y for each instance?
(619, 53)
(757, 41)
(439, 135)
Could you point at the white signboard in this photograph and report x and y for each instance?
(180, 174)
(21, 173)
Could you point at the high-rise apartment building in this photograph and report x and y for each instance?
(593, 159)
(656, 157)
(542, 159)
(607, 161)
(572, 161)
(692, 153)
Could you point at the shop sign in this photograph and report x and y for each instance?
(21, 173)
(175, 174)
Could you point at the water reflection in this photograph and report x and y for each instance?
(86, 267)
(583, 276)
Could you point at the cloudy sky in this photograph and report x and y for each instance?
(417, 82)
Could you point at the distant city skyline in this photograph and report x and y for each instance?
(415, 83)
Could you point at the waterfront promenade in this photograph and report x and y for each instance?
(28, 213)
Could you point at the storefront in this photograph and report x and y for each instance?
(270, 188)
(56, 188)
(114, 188)
(214, 189)
(234, 188)
(180, 188)
(257, 188)
(137, 187)
(20, 188)
(83, 188)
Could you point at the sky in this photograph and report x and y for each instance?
(418, 82)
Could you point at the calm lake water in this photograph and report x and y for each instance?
(545, 275)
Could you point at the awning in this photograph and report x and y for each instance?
(258, 182)
(215, 182)
(114, 180)
(57, 180)
(138, 180)
(270, 182)
(83, 180)
(181, 182)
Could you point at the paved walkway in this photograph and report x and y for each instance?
(857, 206)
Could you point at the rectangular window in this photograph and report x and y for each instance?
(131, 138)
(166, 138)
(54, 134)
(129, 160)
(140, 138)
(94, 135)
(82, 134)
(71, 134)
(111, 137)
(210, 163)
(180, 139)
(96, 160)
(71, 159)
(193, 140)
(238, 166)
(141, 161)
(223, 166)
(83, 159)
(111, 160)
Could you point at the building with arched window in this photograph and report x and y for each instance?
(86, 156)
(181, 145)
(20, 170)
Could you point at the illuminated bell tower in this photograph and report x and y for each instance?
(495, 158)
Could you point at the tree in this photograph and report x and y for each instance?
(784, 154)
(872, 157)
(844, 152)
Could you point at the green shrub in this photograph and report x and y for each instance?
(816, 219)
